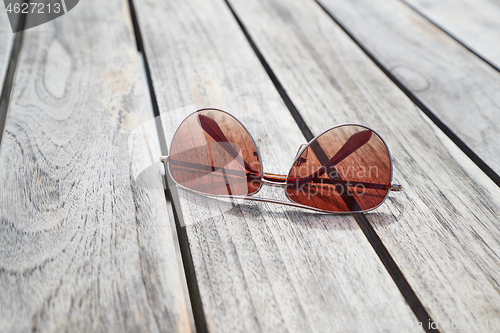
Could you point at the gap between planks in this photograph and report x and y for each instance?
(382, 252)
(297, 52)
(196, 316)
(9, 76)
(477, 142)
(169, 102)
(153, 255)
(435, 119)
(465, 40)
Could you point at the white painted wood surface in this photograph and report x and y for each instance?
(443, 230)
(84, 245)
(475, 23)
(457, 86)
(259, 267)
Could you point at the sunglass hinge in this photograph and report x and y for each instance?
(396, 187)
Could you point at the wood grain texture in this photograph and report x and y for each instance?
(475, 23)
(85, 246)
(260, 267)
(443, 231)
(453, 83)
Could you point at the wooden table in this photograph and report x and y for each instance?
(90, 241)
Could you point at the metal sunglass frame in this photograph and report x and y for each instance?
(393, 187)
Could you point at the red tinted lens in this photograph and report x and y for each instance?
(346, 169)
(213, 153)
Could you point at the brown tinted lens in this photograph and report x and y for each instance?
(213, 153)
(346, 169)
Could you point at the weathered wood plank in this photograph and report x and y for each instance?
(84, 246)
(475, 23)
(452, 82)
(260, 267)
(443, 230)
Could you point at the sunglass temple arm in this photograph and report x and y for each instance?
(396, 187)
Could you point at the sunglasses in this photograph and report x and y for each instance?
(345, 169)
